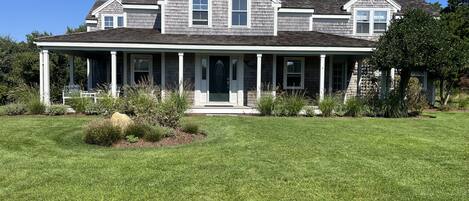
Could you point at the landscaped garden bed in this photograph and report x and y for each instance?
(179, 138)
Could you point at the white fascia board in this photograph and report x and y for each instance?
(179, 47)
(332, 16)
(141, 7)
(95, 11)
(295, 10)
(349, 4)
(91, 21)
(161, 2)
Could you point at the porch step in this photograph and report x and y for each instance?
(222, 110)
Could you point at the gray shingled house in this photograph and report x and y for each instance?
(229, 51)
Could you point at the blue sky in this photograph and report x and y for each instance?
(47, 15)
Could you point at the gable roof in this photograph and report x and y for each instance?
(336, 6)
(152, 36)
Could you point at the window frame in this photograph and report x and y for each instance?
(191, 14)
(133, 70)
(286, 73)
(371, 20)
(115, 20)
(230, 15)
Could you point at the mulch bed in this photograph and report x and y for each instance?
(180, 138)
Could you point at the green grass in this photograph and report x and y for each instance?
(244, 158)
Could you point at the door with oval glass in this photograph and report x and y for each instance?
(219, 79)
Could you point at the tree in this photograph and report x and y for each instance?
(409, 45)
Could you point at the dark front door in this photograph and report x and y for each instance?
(219, 79)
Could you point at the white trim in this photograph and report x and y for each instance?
(209, 10)
(46, 74)
(332, 16)
(141, 7)
(285, 72)
(322, 76)
(348, 5)
(114, 74)
(295, 10)
(115, 20)
(96, 11)
(371, 20)
(276, 7)
(163, 15)
(181, 72)
(91, 21)
(132, 67)
(178, 47)
(223, 110)
(41, 76)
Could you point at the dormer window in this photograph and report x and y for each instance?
(363, 22)
(239, 16)
(113, 21)
(380, 21)
(371, 21)
(199, 12)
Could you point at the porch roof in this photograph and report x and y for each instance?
(136, 36)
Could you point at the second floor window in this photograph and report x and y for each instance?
(113, 21)
(380, 21)
(239, 15)
(200, 12)
(363, 22)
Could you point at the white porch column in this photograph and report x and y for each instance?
(89, 78)
(259, 72)
(163, 74)
(322, 77)
(41, 77)
(331, 72)
(181, 72)
(71, 68)
(274, 75)
(114, 74)
(46, 77)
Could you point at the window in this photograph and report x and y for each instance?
(239, 13)
(142, 69)
(294, 73)
(363, 22)
(113, 21)
(372, 21)
(380, 21)
(108, 22)
(200, 12)
(234, 70)
(120, 21)
(204, 68)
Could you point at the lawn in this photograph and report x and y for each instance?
(243, 158)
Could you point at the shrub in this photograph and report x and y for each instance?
(137, 129)
(79, 104)
(328, 105)
(190, 127)
(155, 135)
(416, 99)
(14, 109)
(265, 105)
(56, 110)
(393, 107)
(354, 107)
(101, 132)
(36, 107)
(132, 139)
(93, 109)
(289, 104)
(463, 103)
(2, 111)
(172, 109)
(310, 111)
